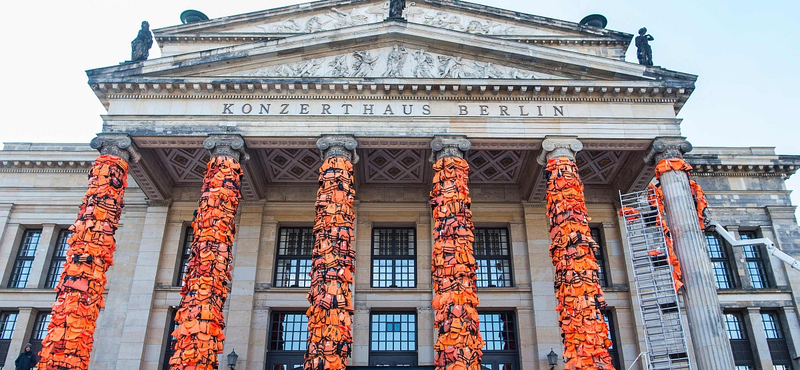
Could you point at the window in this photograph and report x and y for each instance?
(778, 348)
(499, 331)
(720, 262)
(393, 339)
(24, 262)
(186, 253)
(39, 331)
(287, 340)
(394, 258)
(493, 256)
(294, 257)
(608, 317)
(7, 322)
(169, 340)
(754, 258)
(600, 255)
(58, 260)
(740, 343)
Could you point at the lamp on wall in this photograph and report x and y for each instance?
(552, 359)
(233, 357)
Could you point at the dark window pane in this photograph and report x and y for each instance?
(393, 332)
(756, 263)
(612, 334)
(186, 253)
(772, 327)
(289, 332)
(740, 344)
(493, 256)
(169, 341)
(24, 261)
(720, 261)
(498, 331)
(58, 259)
(293, 263)
(600, 255)
(7, 322)
(394, 258)
(39, 331)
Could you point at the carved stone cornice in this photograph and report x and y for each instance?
(559, 146)
(449, 146)
(338, 146)
(226, 145)
(667, 147)
(119, 145)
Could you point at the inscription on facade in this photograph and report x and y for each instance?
(410, 109)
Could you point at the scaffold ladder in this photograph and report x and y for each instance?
(665, 336)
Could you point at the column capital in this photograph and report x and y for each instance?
(338, 146)
(227, 145)
(449, 146)
(559, 146)
(665, 147)
(119, 145)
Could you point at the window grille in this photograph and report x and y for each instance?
(493, 255)
(394, 257)
(24, 261)
(293, 263)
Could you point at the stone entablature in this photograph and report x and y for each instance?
(742, 162)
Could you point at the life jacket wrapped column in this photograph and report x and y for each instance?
(458, 345)
(580, 298)
(330, 295)
(199, 333)
(70, 334)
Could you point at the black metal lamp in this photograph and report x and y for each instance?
(233, 357)
(552, 359)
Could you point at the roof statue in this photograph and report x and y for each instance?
(643, 50)
(140, 46)
(396, 8)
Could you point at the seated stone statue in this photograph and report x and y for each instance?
(140, 46)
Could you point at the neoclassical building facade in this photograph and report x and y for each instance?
(283, 90)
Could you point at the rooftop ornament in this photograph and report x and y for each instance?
(396, 8)
(594, 20)
(192, 16)
(140, 46)
(643, 50)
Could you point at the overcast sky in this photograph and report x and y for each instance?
(745, 53)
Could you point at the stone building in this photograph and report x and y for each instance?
(506, 87)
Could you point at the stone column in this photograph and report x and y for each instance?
(90, 254)
(711, 347)
(140, 299)
(6, 242)
(208, 274)
(240, 311)
(43, 252)
(578, 291)
(454, 265)
(330, 294)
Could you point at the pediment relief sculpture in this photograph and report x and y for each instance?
(396, 61)
(342, 16)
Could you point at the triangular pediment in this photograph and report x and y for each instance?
(328, 15)
(387, 50)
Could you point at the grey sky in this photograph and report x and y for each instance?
(745, 53)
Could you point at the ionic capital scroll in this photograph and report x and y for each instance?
(226, 145)
(119, 145)
(338, 146)
(449, 146)
(559, 146)
(667, 147)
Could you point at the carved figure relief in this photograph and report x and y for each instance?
(424, 64)
(363, 64)
(395, 62)
(346, 19)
